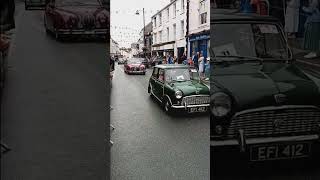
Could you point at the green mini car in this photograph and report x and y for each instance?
(264, 106)
(177, 87)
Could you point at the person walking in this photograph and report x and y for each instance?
(245, 6)
(195, 58)
(201, 65)
(312, 29)
(292, 18)
(183, 58)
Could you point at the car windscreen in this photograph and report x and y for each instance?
(77, 2)
(172, 75)
(261, 40)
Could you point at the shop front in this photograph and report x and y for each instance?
(200, 43)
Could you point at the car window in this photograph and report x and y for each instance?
(178, 75)
(155, 72)
(161, 75)
(249, 39)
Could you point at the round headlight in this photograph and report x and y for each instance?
(220, 104)
(178, 94)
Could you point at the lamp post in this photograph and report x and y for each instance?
(144, 31)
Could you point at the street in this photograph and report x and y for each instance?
(274, 170)
(54, 106)
(148, 143)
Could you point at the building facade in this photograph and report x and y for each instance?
(114, 47)
(199, 27)
(169, 29)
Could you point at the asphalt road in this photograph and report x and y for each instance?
(148, 143)
(274, 170)
(54, 108)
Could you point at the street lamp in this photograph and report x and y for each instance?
(144, 31)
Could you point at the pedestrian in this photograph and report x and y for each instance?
(195, 58)
(175, 60)
(245, 6)
(183, 58)
(292, 18)
(201, 65)
(207, 69)
(312, 26)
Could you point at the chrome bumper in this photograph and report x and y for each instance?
(77, 31)
(136, 71)
(189, 106)
(242, 142)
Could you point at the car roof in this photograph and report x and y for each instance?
(172, 66)
(234, 15)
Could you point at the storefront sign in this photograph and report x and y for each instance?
(197, 38)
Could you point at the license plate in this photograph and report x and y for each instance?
(279, 151)
(197, 109)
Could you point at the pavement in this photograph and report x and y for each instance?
(148, 143)
(299, 52)
(54, 115)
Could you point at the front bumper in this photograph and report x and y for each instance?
(83, 32)
(240, 149)
(137, 72)
(189, 106)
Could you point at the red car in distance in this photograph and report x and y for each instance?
(134, 66)
(76, 17)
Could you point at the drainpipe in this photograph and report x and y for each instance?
(187, 30)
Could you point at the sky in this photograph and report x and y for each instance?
(125, 24)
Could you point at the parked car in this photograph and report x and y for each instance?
(177, 86)
(76, 17)
(135, 66)
(122, 60)
(145, 62)
(263, 106)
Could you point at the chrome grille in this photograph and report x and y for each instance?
(196, 100)
(275, 122)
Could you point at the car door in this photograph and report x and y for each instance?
(153, 78)
(159, 84)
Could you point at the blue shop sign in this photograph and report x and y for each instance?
(198, 38)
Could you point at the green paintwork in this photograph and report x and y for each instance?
(188, 88)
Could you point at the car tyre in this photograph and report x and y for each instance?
(144, 73)
(166, 106)
(150, 90)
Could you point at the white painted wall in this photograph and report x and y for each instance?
(179, 36)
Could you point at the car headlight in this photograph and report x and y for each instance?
(220, 104)
(178, 94)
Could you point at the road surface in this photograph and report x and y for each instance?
(54, 108)
(148, 143)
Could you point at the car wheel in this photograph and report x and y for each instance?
(167, 106)
(150, 90)
(144, 73)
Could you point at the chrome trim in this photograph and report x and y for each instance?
(254, 141)
(190, 106)
(274, 108)
(169, 99)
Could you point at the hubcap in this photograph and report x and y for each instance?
(167, 106)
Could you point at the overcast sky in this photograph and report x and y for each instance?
(125, 24)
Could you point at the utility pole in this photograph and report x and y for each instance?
(144, 34)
